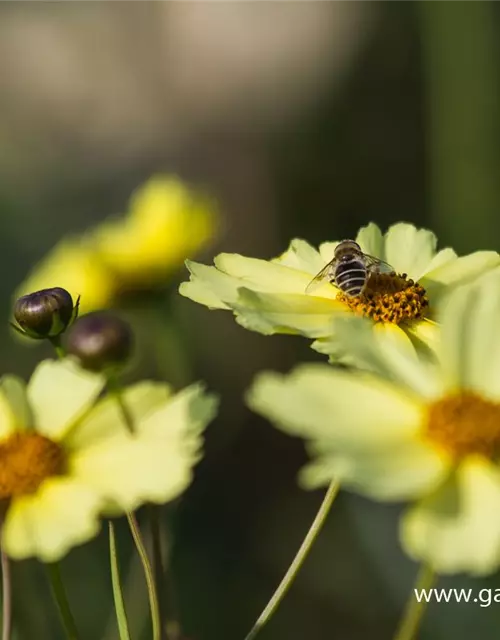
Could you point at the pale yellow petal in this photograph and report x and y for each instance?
(217, 287)
(15, 413)
(470, 344)
(7, 421)
(263, 275)
(457, 528)
(183, 416)
(389, 334)
(405, 470)
(327, 251)
(163, 472)
(59, 393)
(385, 349)
(155, 464)
(106, 420)
(408, 249)
(209, 286)
(371, 241)
(310, 316)
(354, 411)
(441, 258)
(455, 314)
(457, 272)
(133, 471)
(425, 335)
(321, 288)
(13, 390)
(302, 256)
(62, 514)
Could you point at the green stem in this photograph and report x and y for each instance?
(58, 348)
(121, 614)
(172, 362)
(298, 561)
(61, 601)
(414, 610)
(6, 597)
(169, 615)
(148, 573)
(158, 562)
(116, 390)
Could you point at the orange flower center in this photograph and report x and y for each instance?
(465, 424)
(26, 460)
(389, 297)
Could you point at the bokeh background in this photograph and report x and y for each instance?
(303, 119)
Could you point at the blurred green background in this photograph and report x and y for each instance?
(303, 119)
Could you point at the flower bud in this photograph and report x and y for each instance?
(101, 341)
(45, 314)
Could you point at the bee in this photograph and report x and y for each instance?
(349, 269)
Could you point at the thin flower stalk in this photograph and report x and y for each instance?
(61, 601)
(297, 562)
(134, 526)
(121, 614)
(415, 609)
(6, 596)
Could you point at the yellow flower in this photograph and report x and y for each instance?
(165, 224)
(65, 461)
(421, 430)
(74, 265)
(155, 465)
(270, 296)
(49, 508)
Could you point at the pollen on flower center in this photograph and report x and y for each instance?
(26, 460)
(389, 297)
(465, 424)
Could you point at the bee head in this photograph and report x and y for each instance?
(346, 248)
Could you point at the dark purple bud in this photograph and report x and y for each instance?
(101, 341)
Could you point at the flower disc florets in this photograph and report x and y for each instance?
(26, 460)
(389, 297)
(465, 424)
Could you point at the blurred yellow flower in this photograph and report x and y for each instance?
(155, 464)
(166, 223)
(413, 429)
(74, 265)
(50, 508)
(66, 460)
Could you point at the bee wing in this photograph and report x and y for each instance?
(320, 277)
(376, 264)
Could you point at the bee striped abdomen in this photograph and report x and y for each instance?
(350, 276)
